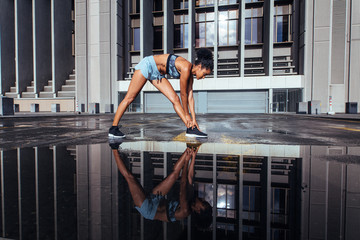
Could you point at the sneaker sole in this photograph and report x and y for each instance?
(114, 136)
(194, 135)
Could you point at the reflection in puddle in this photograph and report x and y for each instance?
(255, 191)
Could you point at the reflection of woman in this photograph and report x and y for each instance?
(155, 206)
(154, 68)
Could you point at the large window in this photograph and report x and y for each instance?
(227, 2)
(158, 32)
(204, 3)
(135, 34)
(282, 25)
(181, 4)
(253, 25)
(135, 6)
(205, 29)
(181, 31)
(228, 27)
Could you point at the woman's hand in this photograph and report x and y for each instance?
(195, 124)
(188, 121)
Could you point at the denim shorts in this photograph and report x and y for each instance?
(148, 68)
(149, 206)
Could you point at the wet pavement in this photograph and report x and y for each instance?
(264, 176)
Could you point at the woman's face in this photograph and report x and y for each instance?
(200, 72)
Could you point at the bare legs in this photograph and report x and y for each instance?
(137, 83)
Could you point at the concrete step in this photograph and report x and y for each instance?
(70, 82)
(46, 95)
(68, 88)
(48, 89)
(32, 83)
(66, 94)
(28, 95)
(12, 89)
(50, 83)
(30, 89)
(72, 76)
(11, 94)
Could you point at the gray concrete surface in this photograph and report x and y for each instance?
(64, 129)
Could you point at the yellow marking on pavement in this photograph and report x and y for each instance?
(180, 138)
(349, 129)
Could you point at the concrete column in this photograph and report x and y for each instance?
(191, 50)
(62, 59)
(265, 179)
(81, 53)
(82, 194)
(26, 183)
(7, 46)
(354, 53)
(146, 28)
(241, 196)
(168, 26)
(268, 52)
(23, 44)
(216, 42)
(45, 208)
(116, 48)
(241, 43)
(42, 43)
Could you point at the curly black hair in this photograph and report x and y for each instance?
(205, 58)
(203, 219)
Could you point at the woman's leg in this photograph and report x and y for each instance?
(136, 190)
(137, 83)
(165, 88)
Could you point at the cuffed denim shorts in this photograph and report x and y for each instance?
(149, 206)
(148, 68)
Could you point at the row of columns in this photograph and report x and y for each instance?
(35, 44)
(37, 193)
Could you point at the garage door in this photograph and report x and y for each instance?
(156, 102)
(237, 102)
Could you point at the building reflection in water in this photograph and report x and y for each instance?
(256, 191)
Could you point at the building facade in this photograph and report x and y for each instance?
(268, 55)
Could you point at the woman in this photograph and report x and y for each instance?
(155, 206)
(154, 68)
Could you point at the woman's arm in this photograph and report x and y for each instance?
(192, 102)
(185, 73)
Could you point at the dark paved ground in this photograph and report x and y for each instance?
(42, 130)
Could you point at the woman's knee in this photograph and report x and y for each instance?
(128, 99)
(175, 99)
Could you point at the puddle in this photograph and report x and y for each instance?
(249, 191)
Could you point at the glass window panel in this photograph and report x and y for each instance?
(230, 197)
(233, 14)
(178, 36)
(201, 17)
(186, 39)
(221, 194)
(157, 5)
(210, 16)
(233, 1)
(136, 40)
(282, 28)
(209, 194)
(282, 9)
(233, 33)
(231, 214)
(248, 31)
(257, 12)
(221, 213)
(200, 3)
(248, 13)
(185, 4)
(157, 38)
(256, 30)
(186, 18)
(210, 31)
(223, 33)
(210, 3)
(223, 16)
(177, 4)
(223, 2)
(200, 34)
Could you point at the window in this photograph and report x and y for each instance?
(252, 1)
(158, 32)
(282, 26)
(228, 27)
(135, 6)
(135, 34)
(204, 29)
(181, 28)
(226, 201)
(181, 4)
(158, 5)
(204, 3)
(253, 25)
(227, 2)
